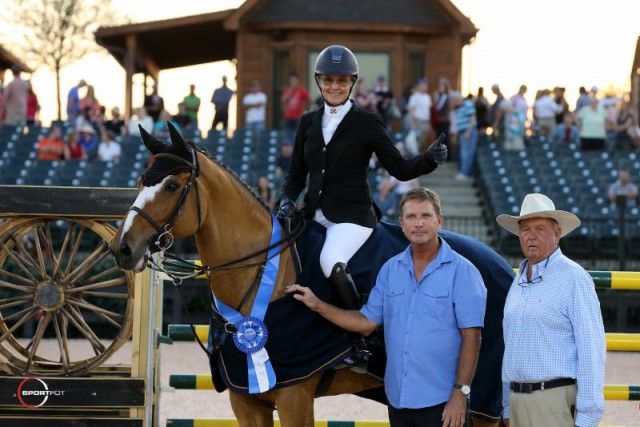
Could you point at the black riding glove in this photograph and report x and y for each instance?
(437, 152)
(286, 208)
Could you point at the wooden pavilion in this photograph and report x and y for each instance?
(268, 39)
(8, 60)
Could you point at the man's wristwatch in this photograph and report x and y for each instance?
(464, 388)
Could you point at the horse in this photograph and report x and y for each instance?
(186, 193)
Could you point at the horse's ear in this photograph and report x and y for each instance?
(152, 143)
(177, 139)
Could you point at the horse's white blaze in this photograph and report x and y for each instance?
(148, 194)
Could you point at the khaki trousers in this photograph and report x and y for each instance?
(543, 408)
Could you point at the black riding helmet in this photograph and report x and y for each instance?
(336, 59)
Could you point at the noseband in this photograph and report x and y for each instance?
(163, 239)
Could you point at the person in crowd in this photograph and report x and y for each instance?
(220, 100)
(514, 126)
(592, 124)
(495, 114)
(419, 109)
(409, 89)
(88, 140)
(154, 103)
(266, 193)
(192, 105)
(85, 119)
(160, 128)
(385, 200)
(109, 149)
(583, 98)
(183, 119)
(440, 110)
(72, 149)
(294, 100)
(467, 134)
(385, 102)
(482, 111)
(544, 112)
(624, 127)
(622, 187)
(1, 104)
(558, 98)
(427, 382)
(140, 118)
(333, 148)
(553, 364)
(566, 132)
(90, 102)
(15, 99)
(51, 147)
(116, 124)
(255, 108)
(73, 102)
(519, 102)
(365, 97)
(33, 106)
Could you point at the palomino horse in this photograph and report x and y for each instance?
(185, 193)
(228, 222)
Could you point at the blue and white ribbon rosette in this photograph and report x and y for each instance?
(252, 334)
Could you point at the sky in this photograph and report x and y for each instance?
(541, 43)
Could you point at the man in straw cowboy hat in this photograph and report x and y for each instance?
(553, 365)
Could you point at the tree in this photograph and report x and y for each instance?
(57, 33)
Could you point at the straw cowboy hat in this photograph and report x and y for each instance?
(536, 205)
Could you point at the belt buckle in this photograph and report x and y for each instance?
(523, 388)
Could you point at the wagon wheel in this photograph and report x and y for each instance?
(59, 283)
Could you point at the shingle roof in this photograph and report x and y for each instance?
(415, 12)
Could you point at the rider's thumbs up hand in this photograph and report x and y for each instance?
(437, 152)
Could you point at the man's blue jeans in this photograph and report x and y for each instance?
(467, 150)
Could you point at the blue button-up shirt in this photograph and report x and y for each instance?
(422, 321)
(553, 329)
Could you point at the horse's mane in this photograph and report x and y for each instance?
(226, 168)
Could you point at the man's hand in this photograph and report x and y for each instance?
(437, 152)
(305, 295)
(286, 209)
(455, 410)
(505, 421)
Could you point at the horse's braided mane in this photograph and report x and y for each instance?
(250, 189)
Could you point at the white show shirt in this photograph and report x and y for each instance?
(331, 119)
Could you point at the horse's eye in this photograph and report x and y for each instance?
(171, 187)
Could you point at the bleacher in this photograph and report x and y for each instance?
(576, 181)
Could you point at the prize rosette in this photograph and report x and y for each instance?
(251, 336)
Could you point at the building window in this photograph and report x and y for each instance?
(281, 71)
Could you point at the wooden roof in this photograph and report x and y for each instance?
(383, 15)
(635, 67)
(211, 37)
(8, 60)
(171, 43)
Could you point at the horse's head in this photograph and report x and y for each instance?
(167, 205)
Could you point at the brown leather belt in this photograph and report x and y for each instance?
(531, 387)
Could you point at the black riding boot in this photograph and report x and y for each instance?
(347, 297)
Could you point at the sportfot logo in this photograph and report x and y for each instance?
(33, 392)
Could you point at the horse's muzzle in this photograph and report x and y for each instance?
(126, 257)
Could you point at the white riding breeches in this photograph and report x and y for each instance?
(342, 242)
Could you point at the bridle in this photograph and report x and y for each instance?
(163, 239)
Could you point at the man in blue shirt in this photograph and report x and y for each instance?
(220, 99)
(553, 364)
(73, 102)
(431, 302)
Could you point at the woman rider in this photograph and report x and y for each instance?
(333, 147)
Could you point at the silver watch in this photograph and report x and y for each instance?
(464, 388)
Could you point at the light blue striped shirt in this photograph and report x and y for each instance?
(463, 115)
(553, 329)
